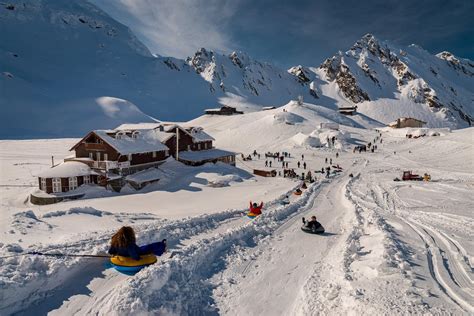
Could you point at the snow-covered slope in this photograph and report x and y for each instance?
(387, 82)
(57, 57)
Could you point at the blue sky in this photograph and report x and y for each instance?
(288, 33)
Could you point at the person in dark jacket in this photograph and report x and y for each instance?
(123, 244)
(312, 224)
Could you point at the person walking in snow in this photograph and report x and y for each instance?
(326, 160)
(123, 243)
(298, 164)
(302, 157)
(266, 163)
(337, 155)
(304, 165)
(330, 161)
(270, 163)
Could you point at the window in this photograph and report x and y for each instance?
(43, 184)
(87, 179)
(98, 156)
(189, 147)
(199, 146)
(154, 154)
(129, 157)
(56, 185)
(106, 157)
(91, 156)
(72, 183)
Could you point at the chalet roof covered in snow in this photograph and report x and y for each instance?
(148, 141)
(67, 169)
(200, 135)
(137, 126)
(204, 154)
(147, 175)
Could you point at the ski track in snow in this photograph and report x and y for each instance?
(448, 266)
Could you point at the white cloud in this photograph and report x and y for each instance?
(176, 27)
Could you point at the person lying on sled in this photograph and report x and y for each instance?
(256, 209)
(312, 224)
(123, 243)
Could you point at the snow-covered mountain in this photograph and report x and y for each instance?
(245, 82)
(386, 82)
(60, 58)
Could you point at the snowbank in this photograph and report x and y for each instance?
(306, 140)
(288, 118)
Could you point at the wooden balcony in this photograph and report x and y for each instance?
(94, 146)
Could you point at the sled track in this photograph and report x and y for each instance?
(59, 285)
(180, 285)
(447, 261)
(444, 268)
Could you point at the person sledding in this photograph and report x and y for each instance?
(312, 226)
(298, 192)
(255, 209)
(285, 201)
(123, 243)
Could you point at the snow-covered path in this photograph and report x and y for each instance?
(280, 266)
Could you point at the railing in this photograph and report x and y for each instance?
(107, 164)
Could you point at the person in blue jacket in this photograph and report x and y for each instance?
(123, 244)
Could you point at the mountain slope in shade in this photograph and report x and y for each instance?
(387, 82)
(57, 57)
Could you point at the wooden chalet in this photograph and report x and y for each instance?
(121, 151)
(406, 122)
(66, 177)
(108, 157)
(348, 110)
(224, 110)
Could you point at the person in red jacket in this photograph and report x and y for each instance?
(256, 209)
